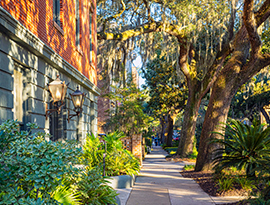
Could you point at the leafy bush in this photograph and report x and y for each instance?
(118, 160)
(148, 141)
(93, 190)
(31, 167)
(242, 147)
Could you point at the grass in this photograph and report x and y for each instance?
(188, 167)
(169, 149)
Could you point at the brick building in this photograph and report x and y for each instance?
(40, 39)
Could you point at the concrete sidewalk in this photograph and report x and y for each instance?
(160, 183)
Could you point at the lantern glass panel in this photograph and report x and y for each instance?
(58, 90)
(76, 100)
(64, 90)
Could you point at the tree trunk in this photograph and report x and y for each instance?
(162, 136)
(169, 131)
(186, 143)
(223, 91)
(217, 111)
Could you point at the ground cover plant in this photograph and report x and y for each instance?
(34, 170)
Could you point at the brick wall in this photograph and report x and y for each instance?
(37, 16)
(137, 146)
(103, 103)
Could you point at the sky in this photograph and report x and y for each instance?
(138, 64)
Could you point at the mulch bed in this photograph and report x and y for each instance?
(206, 182)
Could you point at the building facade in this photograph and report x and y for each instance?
(40, 39)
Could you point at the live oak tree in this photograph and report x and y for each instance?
(167, 92)
(245, 60)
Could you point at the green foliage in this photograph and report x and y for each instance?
(167, 91)
(31, 167)
(93, 189)
(128, 115)
(66, 195)
(192, 155)
(260, 201)
(93, 151)
(148, 141)
(243, 147)
(251, 97)
(245, 183)
(118, 160)
(225, 184)
(189, 167)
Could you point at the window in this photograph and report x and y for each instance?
(92, 116)
(56, 12)
(77, 22)
(90, 32)
(18, 95)
(58, 124)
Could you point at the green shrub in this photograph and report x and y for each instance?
(93, 189)
(148, 141)
(118, 160)
(31, 167)
(175, 143)
(243, 146)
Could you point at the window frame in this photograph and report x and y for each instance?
(56, 12)
(77, 23)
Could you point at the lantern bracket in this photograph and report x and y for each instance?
(48, 112)
(78, 111)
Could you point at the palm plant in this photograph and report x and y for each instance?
(93, 151)
(242, 147)
(66, 196)
(113, 140)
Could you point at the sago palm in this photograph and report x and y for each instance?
(242, 147)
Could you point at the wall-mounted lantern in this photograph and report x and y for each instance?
(77, 99)
(58, 90)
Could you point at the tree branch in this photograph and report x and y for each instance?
(148, 10)
(115, 16)
(263, 13)
(221, 55)
(250, 24)
(149, 27)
